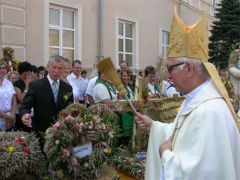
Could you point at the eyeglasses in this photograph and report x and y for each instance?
(170, 67)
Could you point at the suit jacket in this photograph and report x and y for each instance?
(40, 97)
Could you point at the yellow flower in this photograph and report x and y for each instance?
(65, 97)
(10, 148)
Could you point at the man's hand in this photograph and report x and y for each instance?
(166, 145)
(143, 121)
(26, 119)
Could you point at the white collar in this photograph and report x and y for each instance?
(194, 92)
(74, 76)
(51, 81)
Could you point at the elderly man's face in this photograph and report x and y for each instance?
(177, 74)
(55, 70)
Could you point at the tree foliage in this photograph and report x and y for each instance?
(225, 32)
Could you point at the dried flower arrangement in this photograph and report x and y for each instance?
(79, 143)
(129, 162)
(11, 60)
(21, 156)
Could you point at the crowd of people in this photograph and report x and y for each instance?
(85, 90)
(202, 143)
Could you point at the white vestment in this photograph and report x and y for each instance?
(207, 146)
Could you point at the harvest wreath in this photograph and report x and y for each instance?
(79, 143)
(21, 156)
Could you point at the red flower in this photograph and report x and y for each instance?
(26, 149)
(19, 140)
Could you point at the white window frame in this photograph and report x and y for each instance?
(162, 46)
(199, 4)
(124, 21)
(190, 2)
(213, 4)
(60, 28)
(78, 25)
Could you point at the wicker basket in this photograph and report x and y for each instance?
(164, 109)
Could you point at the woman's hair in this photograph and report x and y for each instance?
(128, 71)
(149, 70)
(24, 67)
(10, 73)
(84, 72)
(67, 61)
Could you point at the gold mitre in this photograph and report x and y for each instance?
(189, 41)
(192, 42)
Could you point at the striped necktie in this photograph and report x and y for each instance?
(55, 89)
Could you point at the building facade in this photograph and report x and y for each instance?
(132, 30)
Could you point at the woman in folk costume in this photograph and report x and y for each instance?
(104, 91)
(127, 117)
(203, 142)
(125, 76)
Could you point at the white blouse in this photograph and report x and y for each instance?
(7, 92)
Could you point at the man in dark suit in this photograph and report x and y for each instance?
(47, 96)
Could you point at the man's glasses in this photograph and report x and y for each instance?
(170, 67)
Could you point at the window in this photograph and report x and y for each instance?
(213, 6)
(126, 41)
(61, 32)
(199, 5)
(164, 44)
(214, 2)
(190, 2)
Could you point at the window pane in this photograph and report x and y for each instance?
(165, 37)
(54, 16)
(120, 57)
(164, 51)
(129, 45)
(120, 45)
(68, 53)
(68, 19)
(129, 60)
(68, 38)
(53, 51)
(120, 28)
(53, 37)
(128, 30)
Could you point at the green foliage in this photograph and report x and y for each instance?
(225, 32)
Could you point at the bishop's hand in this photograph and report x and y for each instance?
(143, 121)
(166, 145)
